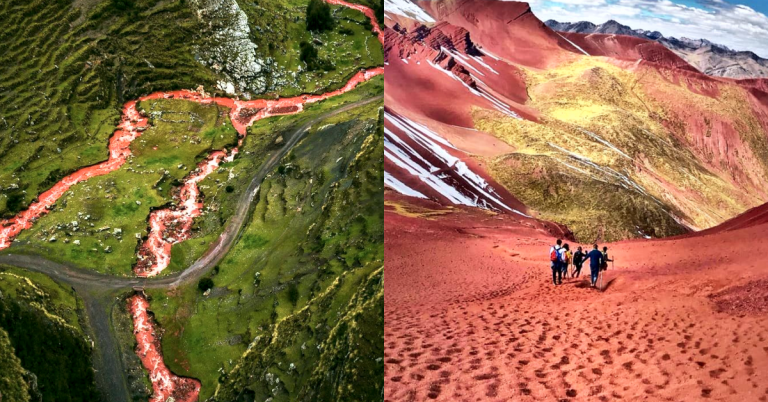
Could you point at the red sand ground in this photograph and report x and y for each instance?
(471, 314)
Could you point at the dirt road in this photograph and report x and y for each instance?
(99, 291)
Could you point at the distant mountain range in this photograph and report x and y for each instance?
(709, 58)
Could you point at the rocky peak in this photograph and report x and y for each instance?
(435, 45)
(721, 61)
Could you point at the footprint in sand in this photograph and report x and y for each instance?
(434, 390)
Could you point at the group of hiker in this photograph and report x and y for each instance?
(561, 259)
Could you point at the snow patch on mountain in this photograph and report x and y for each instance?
(408, 9)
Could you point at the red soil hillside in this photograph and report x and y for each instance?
(421, 164)
(471, 314)
(755, 217)
(488, 108)
(628, 47)
(434, 76)
(439, 73)
(507, 29)
(536, 112)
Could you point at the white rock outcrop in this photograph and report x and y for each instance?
(229, 49)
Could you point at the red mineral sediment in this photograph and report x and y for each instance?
(165, 384)
(130, 127)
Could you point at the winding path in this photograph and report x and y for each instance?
(98, 290)
(77, 276)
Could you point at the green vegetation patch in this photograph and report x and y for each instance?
(314, 238)
(75, 64)
(71, 68)
(100, 223)
(341, 51)
(13, 384)
(40, 318)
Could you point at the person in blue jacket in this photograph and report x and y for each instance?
(595, 263)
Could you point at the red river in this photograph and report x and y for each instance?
(164, 383)
(172, 225)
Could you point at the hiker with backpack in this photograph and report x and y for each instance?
(595, 263)
(578, 261)
(568, 258)
(556, 262)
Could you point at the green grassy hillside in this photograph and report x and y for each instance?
(41, 320)
(13, 386)
(309, 257)
(74, 63)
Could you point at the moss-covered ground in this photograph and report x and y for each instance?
(99, 223)
(72, 65)
(307, 266)
(349, 46)
(12, 379)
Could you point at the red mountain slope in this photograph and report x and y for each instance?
(556, 120)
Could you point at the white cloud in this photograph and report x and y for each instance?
(736, 26)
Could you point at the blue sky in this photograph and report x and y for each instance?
(741, 25)
(759, 5)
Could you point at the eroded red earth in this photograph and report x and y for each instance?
(471, 313)
(164, 383)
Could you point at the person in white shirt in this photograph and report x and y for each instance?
(556, 257)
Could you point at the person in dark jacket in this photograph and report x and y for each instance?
(606, 259)
(578, 261)
(595, 263)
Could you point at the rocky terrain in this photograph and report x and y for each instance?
(709, 58)
(490, 107)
